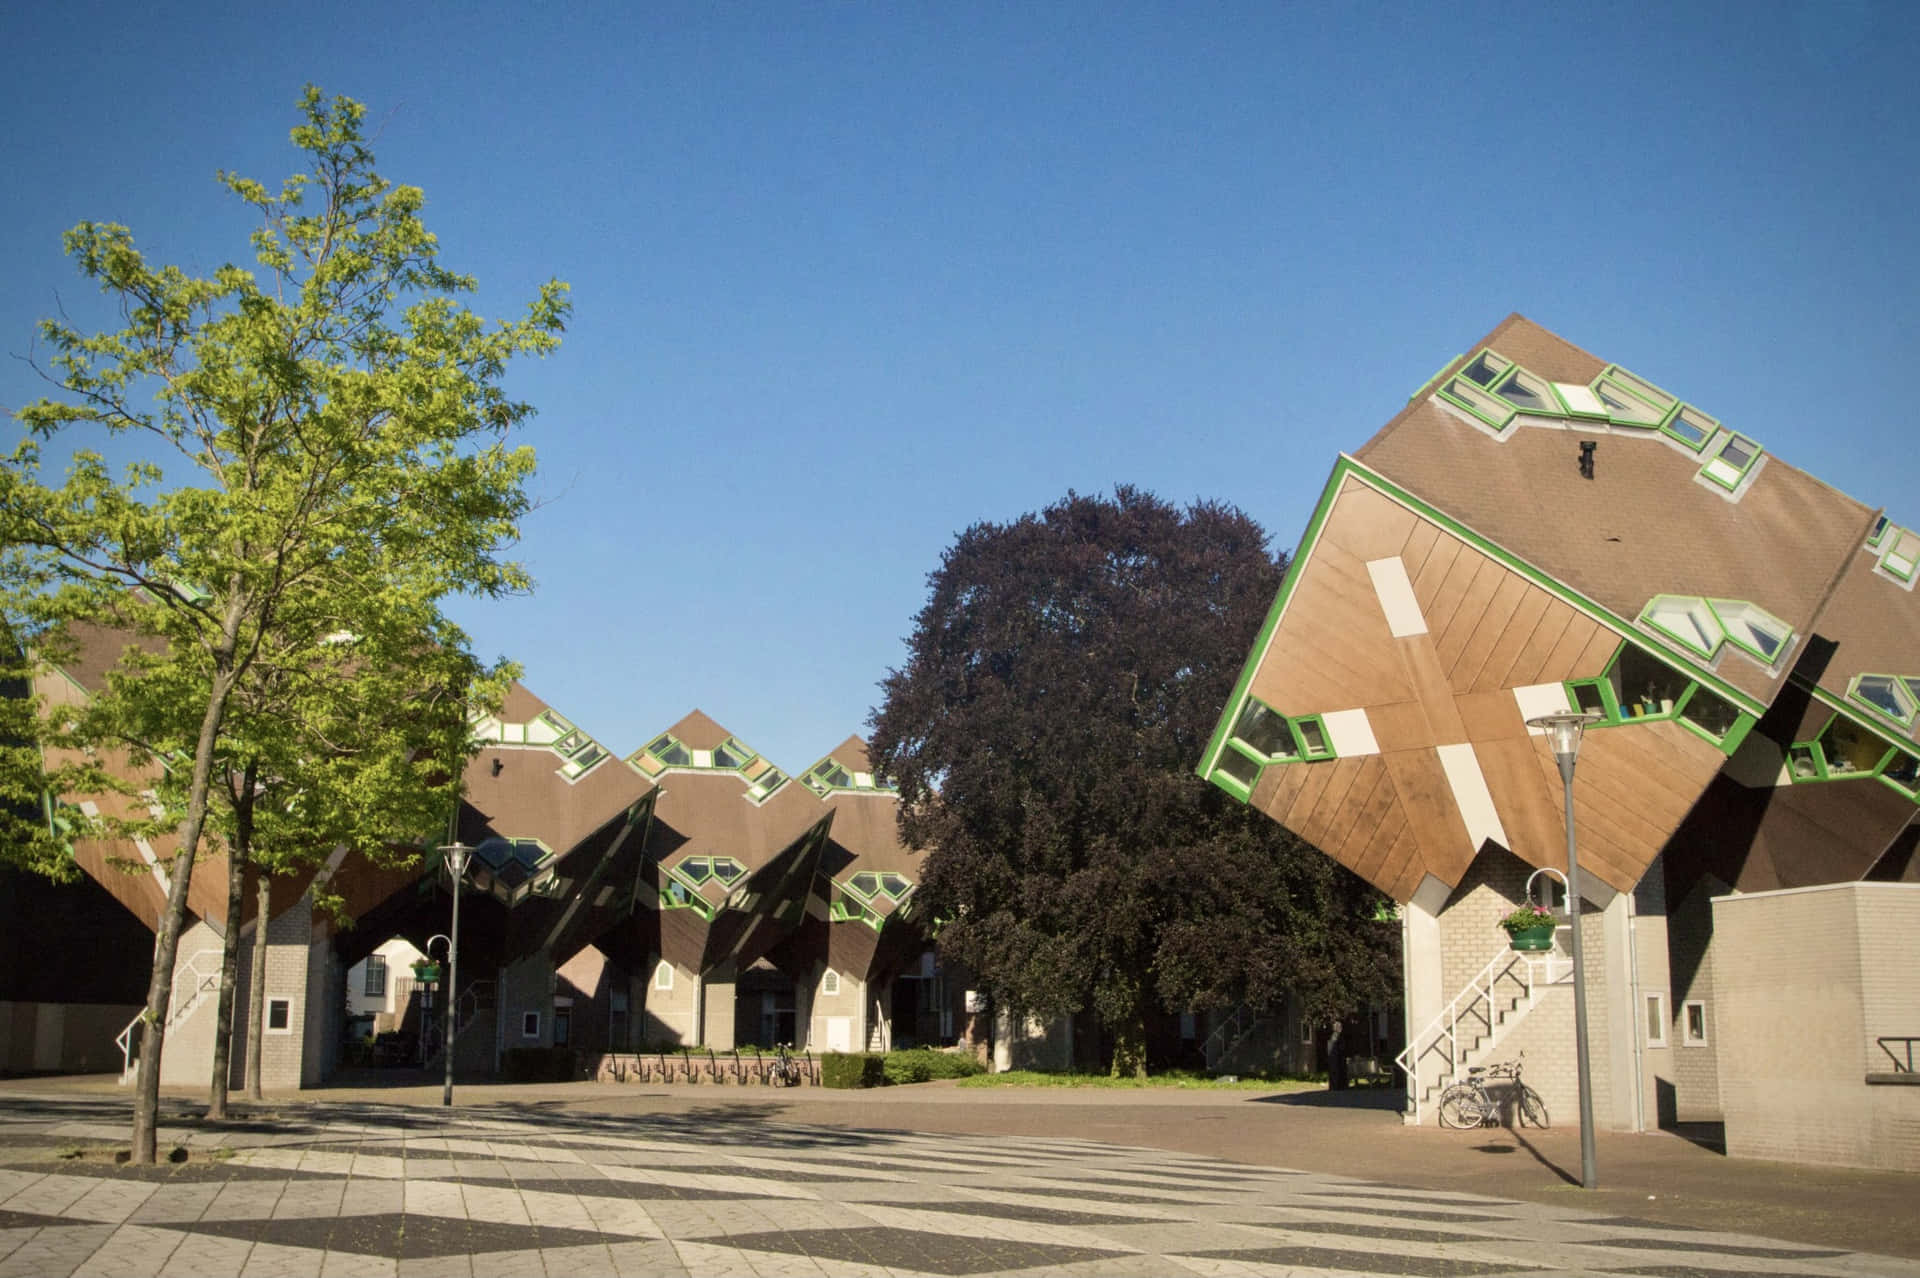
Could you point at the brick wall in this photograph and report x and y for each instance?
(1806, 979)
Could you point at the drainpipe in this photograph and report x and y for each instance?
(1638, 1008)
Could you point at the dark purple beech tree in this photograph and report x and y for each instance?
(1061, 684)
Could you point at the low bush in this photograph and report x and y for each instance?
(852, 1069)
(924, 1064)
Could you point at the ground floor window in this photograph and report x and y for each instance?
(1694, 1023)
(1656, 1020)
(279, 1016)
(530, 1025)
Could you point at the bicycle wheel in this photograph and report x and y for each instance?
(1459, 1107)
(1533, 1110)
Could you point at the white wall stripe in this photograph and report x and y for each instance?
(1350, 733)
(1395, 592)
(1537, 699)
(1469, 786)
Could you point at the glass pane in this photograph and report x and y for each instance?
(1881, 692)
(726, 869)
(1850, 748)
(1265, 731)
(1738, 452)
(865, 884)
(1644, 685)
(697, 868)
(1690, 428)
(1711, 712)
(1803, 762)
(1520, 392)
(1313, 736)
(1239, 767)
(1485, 367)
(1656, 1019)
(1587, 698)
(1903, 768)
(895, 885)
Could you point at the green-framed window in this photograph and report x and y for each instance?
(1896, 697)
(1483, 405)
(1731, 460)
(1752, 629)
(766, 782)
(1845, 750)
(1527, 392)
(1901, 554)
(1262, 735)
(1311, 732)
(668, 752)
(1638, 687)
(1486, 368)
(1879, 533)
(731, 753)
(1701, 626)
(1691, 427)
(1629, 401)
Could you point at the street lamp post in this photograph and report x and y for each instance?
(456, 855)
(1563, 735)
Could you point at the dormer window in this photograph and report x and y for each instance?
(1525, 391)
(1624, 407)
(1485, 369)
(1902, 555)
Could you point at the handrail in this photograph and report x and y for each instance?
(1441, 1036)
(1899, 1066)
(178, 1007)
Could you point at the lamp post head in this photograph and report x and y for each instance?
(456, 855)
(1564, 730)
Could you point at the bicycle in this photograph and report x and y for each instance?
(1468, 1103)
(784, 1071)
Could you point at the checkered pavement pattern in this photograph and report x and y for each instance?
(377, 1190)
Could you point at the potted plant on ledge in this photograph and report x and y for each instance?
(1530, 928)
(426, 971)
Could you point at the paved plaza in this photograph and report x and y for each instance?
(354, 1186)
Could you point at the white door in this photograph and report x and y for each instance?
(839, 1033)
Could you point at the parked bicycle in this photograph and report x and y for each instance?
(1470, 1104)
(784, 1071)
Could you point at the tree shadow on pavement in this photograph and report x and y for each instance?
(1381, 1098)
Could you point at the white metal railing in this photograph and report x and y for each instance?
(477, 997)
(192, 981)
(1475, 1016)
(1229, 1034)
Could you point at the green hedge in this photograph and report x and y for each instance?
(537, 1065)
(909, 1065)
(923, 1064)
(852, 1069)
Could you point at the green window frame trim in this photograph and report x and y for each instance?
(1905, 690)
(1879, 534)
(1632, 402)
(1902, 756)
(1347, 468)
(1713, 623)
(1438, 373)
(1900, 556)
(1729, 472)
(1482, 405)
(1697, 707)
(1684, 421)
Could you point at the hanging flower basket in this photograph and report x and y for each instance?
(426, 972)
(1530, 928)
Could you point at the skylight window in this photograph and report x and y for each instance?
(1463, 394)
(1485, 369)
(1523, 390)
(1902, 554)
(670, 752)
(1579, 400)
(731, 754)
(1888, 694)
(1732, 462)
(1692, 427)
(1688, 621)
(1878, 534)
(1850, 749)
(1755, 631)
(1624, 408)
(1621, 381)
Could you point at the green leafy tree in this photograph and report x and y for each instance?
(325, 430)
(1061, 680)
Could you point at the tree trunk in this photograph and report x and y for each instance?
(257, 994)
(166, 943)
(237, 857)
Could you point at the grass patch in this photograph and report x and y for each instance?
(1180, 1078)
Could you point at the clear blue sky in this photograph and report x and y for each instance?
(849, 278)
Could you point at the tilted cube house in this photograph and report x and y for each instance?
(1540, 530)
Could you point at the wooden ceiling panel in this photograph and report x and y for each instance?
(1427, 800)
(1463, 667)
